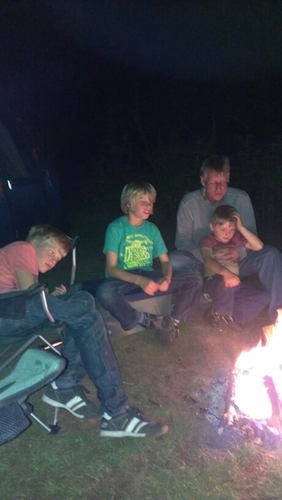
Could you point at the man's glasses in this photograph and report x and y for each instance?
(215, 184)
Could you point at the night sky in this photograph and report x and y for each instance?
(74, 70)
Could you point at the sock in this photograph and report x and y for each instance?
(106, 416)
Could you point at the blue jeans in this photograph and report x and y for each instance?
(86, 347)
(266, 263)
(243, 302)
(185, 261)
(112, 296)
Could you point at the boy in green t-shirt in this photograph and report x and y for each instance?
(131, 244)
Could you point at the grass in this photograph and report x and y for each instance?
(191, 462)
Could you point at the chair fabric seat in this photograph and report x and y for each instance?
(34, 369)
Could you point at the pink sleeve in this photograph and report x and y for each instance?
(206, 242)
(239, 239)
(23, 258)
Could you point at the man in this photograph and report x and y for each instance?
(193, 223)
(86, 344)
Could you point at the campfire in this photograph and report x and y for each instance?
(254, 396)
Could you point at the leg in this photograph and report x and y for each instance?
(187, 289)
(110, 294)
(90, 344)
(267, 264)
(193, 270)
(222, 297)
(249, 301)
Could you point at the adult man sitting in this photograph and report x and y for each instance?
(193, 219)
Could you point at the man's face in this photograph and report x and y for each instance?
(48, 254)
(216, 185)
(223, 232)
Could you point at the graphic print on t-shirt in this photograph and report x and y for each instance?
(137, 251)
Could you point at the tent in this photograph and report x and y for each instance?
(29, 186)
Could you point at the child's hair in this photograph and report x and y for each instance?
(44, 233)
(134, 190)
(224, 213)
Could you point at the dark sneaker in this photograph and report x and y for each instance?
(229, 321)
(155, 322)
(215, 320)
(131, 424)
(167, 337)
(72, 400)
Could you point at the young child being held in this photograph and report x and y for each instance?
(131, 245)
(233, 302)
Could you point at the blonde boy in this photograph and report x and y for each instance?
(131, 245)
(86, 344)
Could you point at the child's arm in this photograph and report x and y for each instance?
(167, 272)
(253, 241)
(230, 279)
(25, 279)
(149, 286)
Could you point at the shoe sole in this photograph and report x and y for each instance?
(56, 404)
(121, 434)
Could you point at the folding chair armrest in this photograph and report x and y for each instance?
(35, 289)
(29, 292)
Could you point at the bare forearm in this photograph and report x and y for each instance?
(121, 274)
(254, 243)
(167, 270)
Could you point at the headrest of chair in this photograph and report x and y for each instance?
(73, 242)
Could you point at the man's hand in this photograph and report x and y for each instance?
(226, 255)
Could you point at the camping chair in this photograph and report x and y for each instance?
(12, 305)
(34, 370)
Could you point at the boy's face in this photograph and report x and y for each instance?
(223, 232)
(47, 255)
(141, 209)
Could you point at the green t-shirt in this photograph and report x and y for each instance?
(136, 247)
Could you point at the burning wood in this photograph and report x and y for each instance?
(255, 389)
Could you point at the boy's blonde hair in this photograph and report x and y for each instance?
(134, 190)
(44, 233)
(224, 213)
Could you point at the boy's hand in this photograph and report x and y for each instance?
(226, 255)
(239, 222)
(59, 290)
(231, 279)
(164, 284)
(148, 286)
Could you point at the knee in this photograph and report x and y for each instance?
(181, 260)
(273, 251)
(103, 293)
(86, 298)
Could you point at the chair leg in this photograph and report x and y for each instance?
(51, 429)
